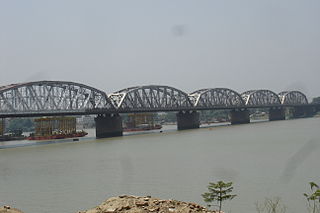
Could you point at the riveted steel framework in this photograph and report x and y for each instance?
(150, 98)
(63, 98)
(51, 96)
(216, 97)
(292, 97)
(260, 98)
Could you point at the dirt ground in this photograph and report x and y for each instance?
(135, 204)
(8, 209)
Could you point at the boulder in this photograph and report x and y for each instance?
(8, 209)
(147, 204)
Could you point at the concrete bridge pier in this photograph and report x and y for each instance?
(188, 120)
(241, 116)
(276, 113)
(108, 125)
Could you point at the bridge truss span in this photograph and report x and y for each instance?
(292, 97)
(260, 98)
(216, 97)
(150, 98)
(51, 97)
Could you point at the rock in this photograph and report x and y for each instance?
(144, 203)
(8, 209)
(110, 210)
(135, 204)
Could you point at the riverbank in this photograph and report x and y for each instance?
(147, 204)
(8, 209)
(136, 204)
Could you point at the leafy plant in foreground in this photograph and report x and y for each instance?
(314, 198)
(219, 192)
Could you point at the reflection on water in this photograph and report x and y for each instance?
(263, 160)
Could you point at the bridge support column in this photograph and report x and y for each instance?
(240, 116)
(276, 114)
(108, 125)
(188, 120)
(303, 111)
(2, 126)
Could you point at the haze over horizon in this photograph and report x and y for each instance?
(186, 44)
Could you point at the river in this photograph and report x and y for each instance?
(264, 159)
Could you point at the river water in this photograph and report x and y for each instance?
(264, 159)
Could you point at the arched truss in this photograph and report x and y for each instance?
(217, 97)
(292, 97)
(260, 98)
(51, 96)
(149, 98)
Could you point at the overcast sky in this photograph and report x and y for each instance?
(111, 45)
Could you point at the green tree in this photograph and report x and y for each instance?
(314, 198)
(219, 192)
(24, 124)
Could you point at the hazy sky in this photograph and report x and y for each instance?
(242, 45)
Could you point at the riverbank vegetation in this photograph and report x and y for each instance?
(271, 205)
(220, 191)
(313, 198)
(23, 124)
(217, 192)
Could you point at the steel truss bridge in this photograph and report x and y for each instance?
(45, 98)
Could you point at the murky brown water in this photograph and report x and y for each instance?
(262, 159)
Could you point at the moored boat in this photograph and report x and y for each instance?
(57, 136)
(140, 122)
(48, 128)
(143, 128)
(13, 136)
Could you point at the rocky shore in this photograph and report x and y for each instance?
(135, 204)
(8, 209)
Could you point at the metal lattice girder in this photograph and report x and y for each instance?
(51, 96)
(217, 97)
(260, 98)
(153, 97)
(292, 97)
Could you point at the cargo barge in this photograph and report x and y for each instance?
(16, 135)
(49, 128)
(11, 138)
(140, 122)
(142, 128)
(57, 136)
